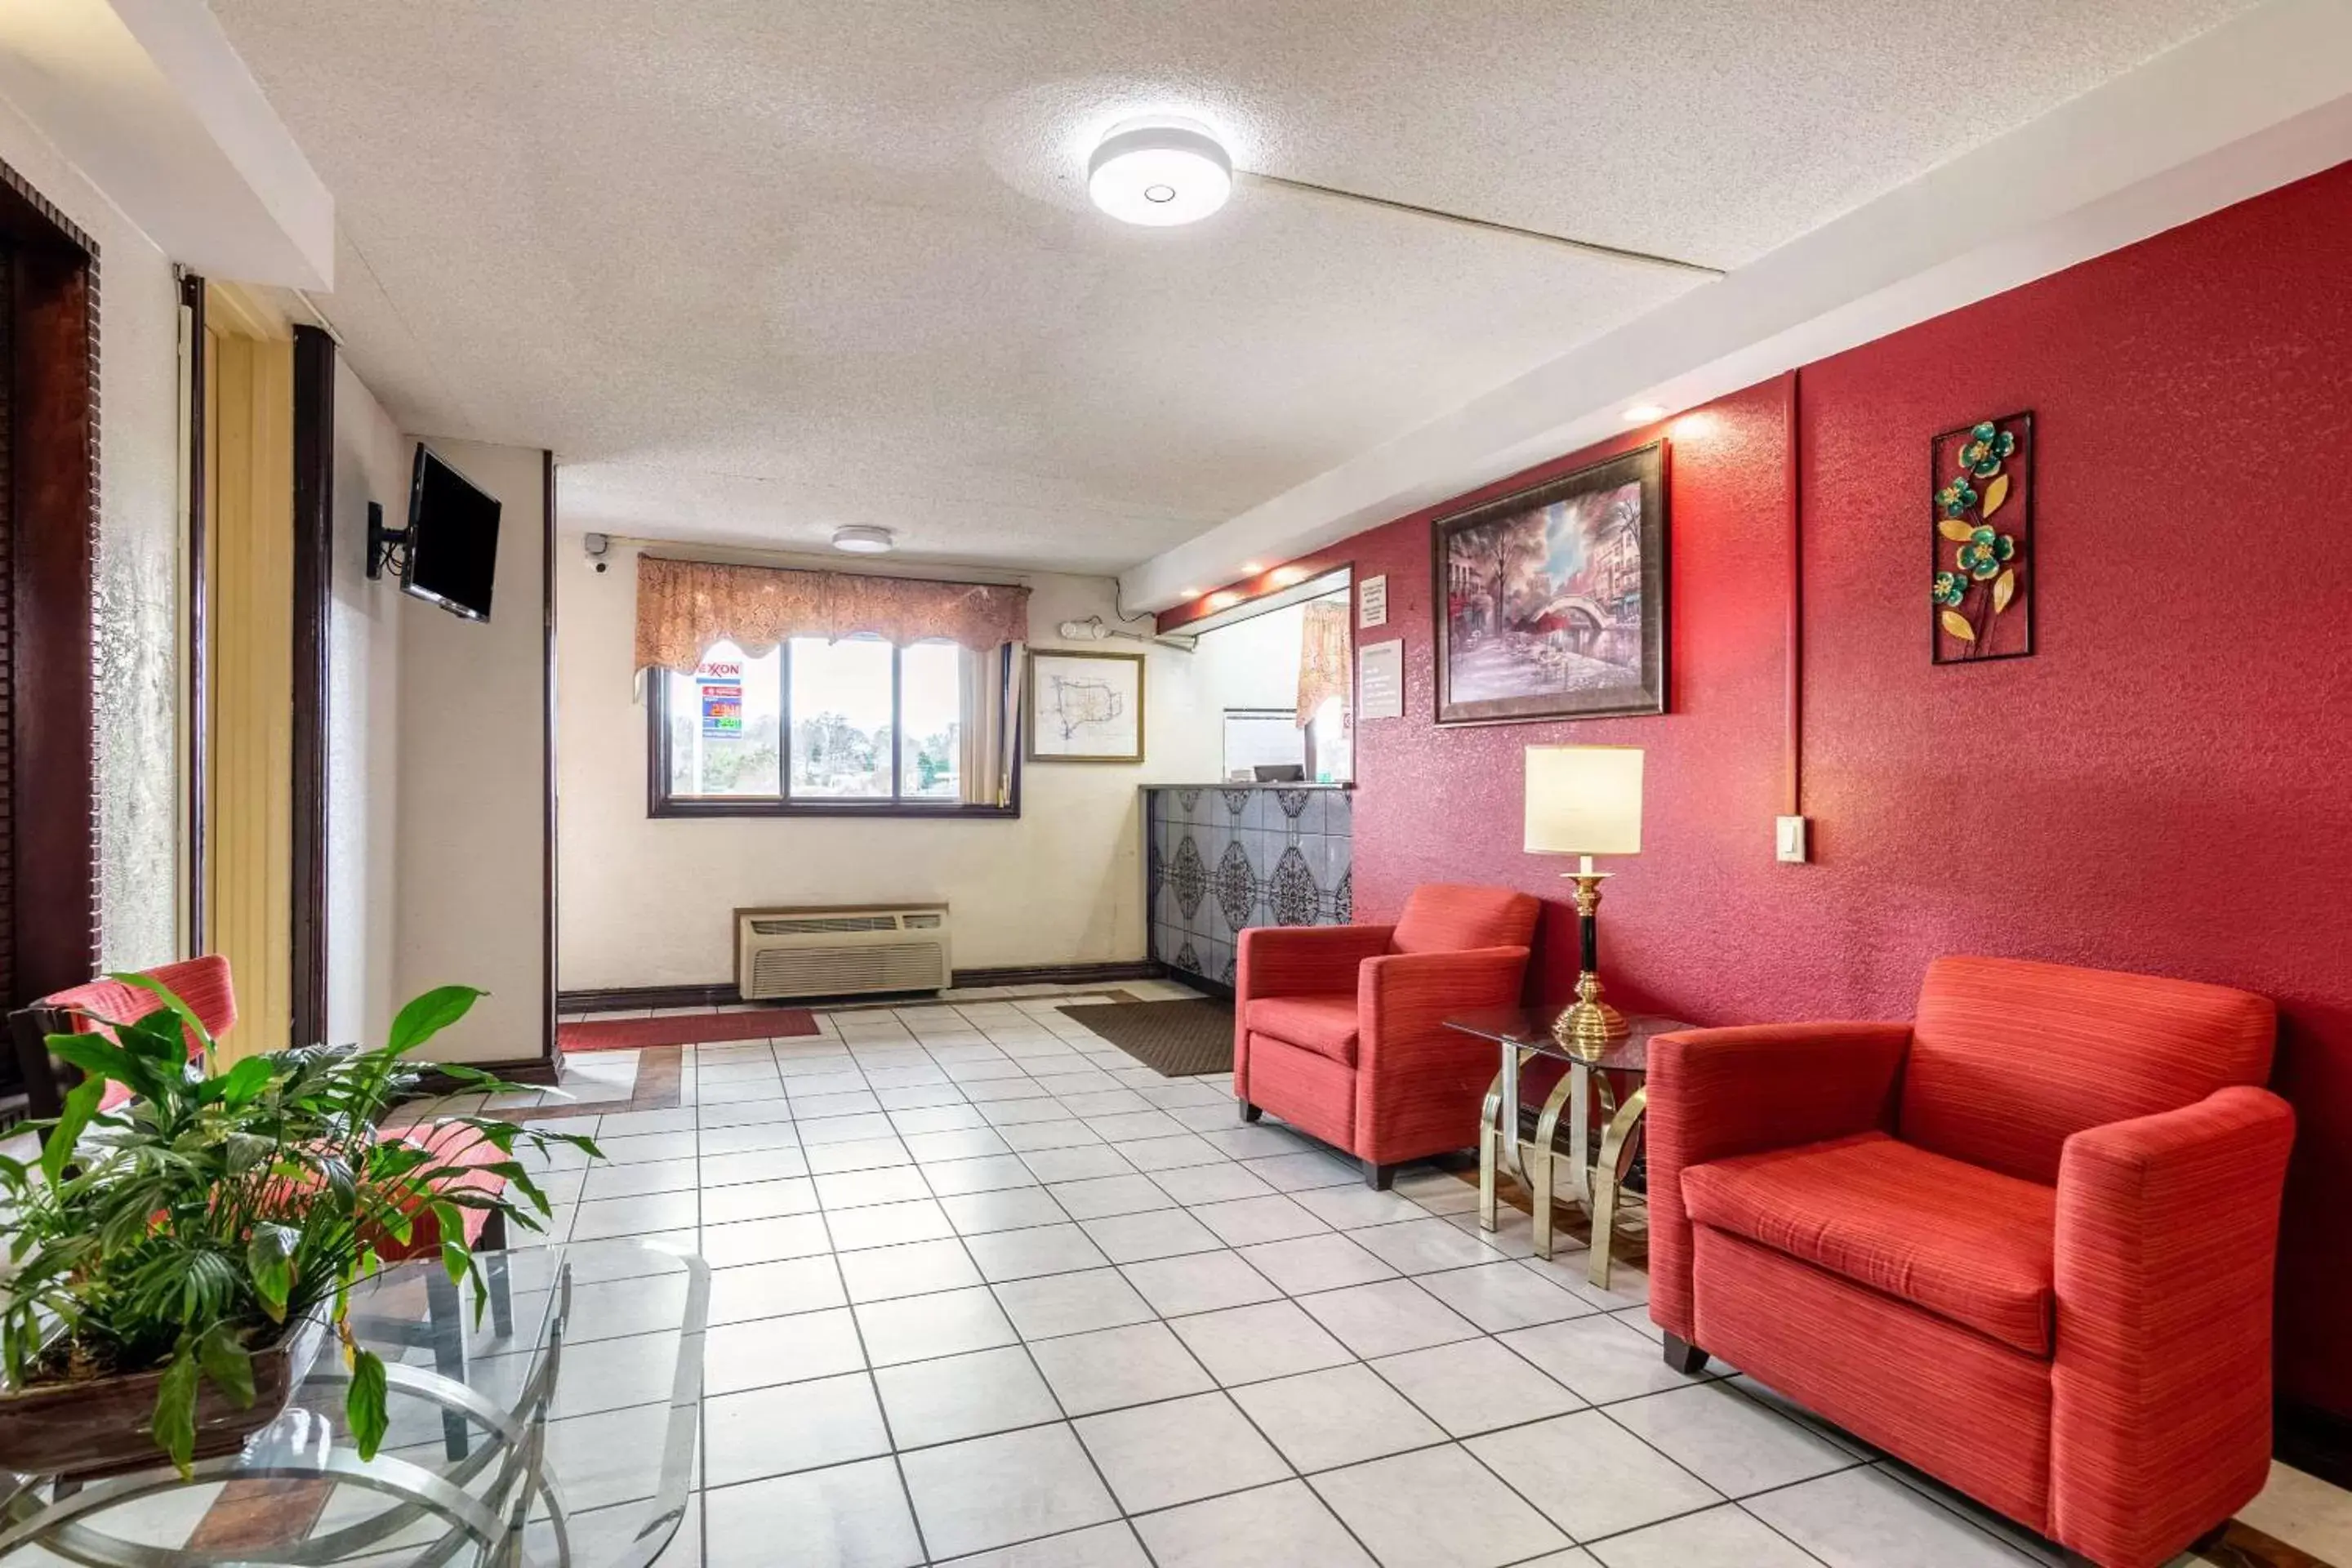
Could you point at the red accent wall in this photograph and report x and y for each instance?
(2166, 785)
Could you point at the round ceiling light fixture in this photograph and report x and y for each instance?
(1160, 172)
(860, 540)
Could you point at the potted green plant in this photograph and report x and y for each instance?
(175, 1264)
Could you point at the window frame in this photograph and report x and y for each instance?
(660, 803)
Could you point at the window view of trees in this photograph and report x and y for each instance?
(844, 707)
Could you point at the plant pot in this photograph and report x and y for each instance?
(106, 1423)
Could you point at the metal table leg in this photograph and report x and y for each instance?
(1616, 1154)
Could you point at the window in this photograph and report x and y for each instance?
(818, 727)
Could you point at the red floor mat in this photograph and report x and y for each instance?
(684, 1029)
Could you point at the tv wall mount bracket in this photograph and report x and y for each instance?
(387, 547)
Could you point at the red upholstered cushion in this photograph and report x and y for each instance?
(1968, 1411)
(1965, 1243)
(1324, 1024)
(1441, 917)
(202, 983)
(2010, 1059)
(1313, 1094)
(452, 1143)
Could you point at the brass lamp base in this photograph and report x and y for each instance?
(1590, 1027)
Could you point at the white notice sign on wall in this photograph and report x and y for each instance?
(1379, 681)
(1372, 603)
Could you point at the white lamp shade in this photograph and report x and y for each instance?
(1584, 800)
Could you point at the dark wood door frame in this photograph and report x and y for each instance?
(314, 544)
(54, 408)
(198, 648)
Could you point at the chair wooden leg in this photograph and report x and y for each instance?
(1684, 1356)
(1250, 1112)
(1378, 1176)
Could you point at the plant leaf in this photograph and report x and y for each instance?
(1956, 624)
(80, 1107)
(2004, 589)
(1958, 532)
(1995, 493)
(245, 1080)
(430, 1013)
(269, 1259)
(227, 1364)
(175, 1425)
(95, 1056)
(364, 1406)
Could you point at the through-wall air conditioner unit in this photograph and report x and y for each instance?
(841, 950)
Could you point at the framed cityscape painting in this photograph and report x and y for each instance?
(1552, 603)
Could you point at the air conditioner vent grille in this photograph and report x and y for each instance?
(785, 952)
(819, 925)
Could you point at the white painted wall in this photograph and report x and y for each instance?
(646, 902)
(469, 860)
(138, 568)
(364, 635)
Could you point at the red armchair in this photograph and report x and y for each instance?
(1339, 1030)
(2024, 1242)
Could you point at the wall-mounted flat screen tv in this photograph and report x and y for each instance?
(453, 539)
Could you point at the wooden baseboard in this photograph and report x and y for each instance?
(620, 998)
(1061, 973)
(536, 1070)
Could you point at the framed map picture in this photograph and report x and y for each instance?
(1084, 707)
(1552, 603)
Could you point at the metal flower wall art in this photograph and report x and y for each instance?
(1981, 594)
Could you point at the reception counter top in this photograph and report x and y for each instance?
(1223, 858)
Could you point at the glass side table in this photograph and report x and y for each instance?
(503, 1452)
(1523, 1035)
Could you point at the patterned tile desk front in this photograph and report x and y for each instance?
(1222, 858)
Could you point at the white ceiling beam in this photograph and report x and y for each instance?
(148, 99)
(2256, 104)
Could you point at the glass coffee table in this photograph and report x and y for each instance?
(1524, 1037)
(558, 1428)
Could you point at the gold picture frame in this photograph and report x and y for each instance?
(1088, 704)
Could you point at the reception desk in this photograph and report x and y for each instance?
(1222, 858)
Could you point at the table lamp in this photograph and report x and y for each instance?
(1585, 801)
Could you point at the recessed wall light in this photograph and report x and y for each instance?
(1643, 413)
(1160, 172)
(859, 540)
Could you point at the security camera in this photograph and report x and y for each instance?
(597, 546)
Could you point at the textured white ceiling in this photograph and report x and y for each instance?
(756, 269)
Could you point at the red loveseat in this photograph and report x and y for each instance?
(2024, 1242)
(1341, 1030)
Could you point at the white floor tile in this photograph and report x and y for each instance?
(1111, 1368)
(795, 1426)
(1285, 1523)
(1341, 1416)
(854, 1516)
(1867, 1518)
(1435, 1508)
(1071, 1303)
(916, 1328)
(1591, 1477)
(961, 1396)
(1249, 1344)
(1728, 1440)
(1156, 1456)
(993, 1491)
(1200, 1282)
(1475, 1386)
(1388, 1319)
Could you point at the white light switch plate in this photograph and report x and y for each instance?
(1791, 839)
